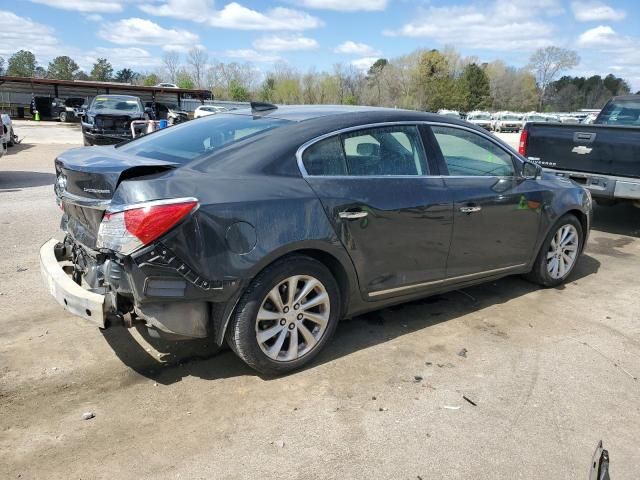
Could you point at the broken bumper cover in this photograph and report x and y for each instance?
(74, 298)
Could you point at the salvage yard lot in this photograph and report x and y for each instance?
(551, 372)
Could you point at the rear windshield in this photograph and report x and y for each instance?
(195, 139)
(620, 113)
(115, 103)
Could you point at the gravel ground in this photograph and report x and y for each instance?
(551, 372)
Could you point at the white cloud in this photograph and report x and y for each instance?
(249, 55)
(17, 33)
(277, 43)
(355, 48)
(233, 15)
(138, 31)
(132, 57)
(94, 17)
(344, 5)
(104, 6)
(499, 25)
(595, 11)
(364, 63)
(598, 36)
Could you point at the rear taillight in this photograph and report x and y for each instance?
(524, 142)
(134, 226)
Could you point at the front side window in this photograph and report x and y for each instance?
(469, 154)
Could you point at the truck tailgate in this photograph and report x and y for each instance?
(600, 149)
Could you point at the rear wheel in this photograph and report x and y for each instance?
(63, 117)
(559, 253)
(286, 316)
(11, 141)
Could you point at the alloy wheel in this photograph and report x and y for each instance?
(293, 318)
(563, 251)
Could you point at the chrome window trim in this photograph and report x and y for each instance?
(299, 153)
(377, 293)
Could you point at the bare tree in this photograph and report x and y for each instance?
(171, 62)
(547, 63)
(198, 58)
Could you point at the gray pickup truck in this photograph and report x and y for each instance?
(604, 156)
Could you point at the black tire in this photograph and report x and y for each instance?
(86, 141)
(63, 117)
(241, 331)
(11, 142)
(539, 273)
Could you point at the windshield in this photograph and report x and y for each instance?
(536, 118)
(480, 116)
(195, 139)
(510, 117)
(620, 113)
(123, 104)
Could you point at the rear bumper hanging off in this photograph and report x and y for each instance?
(69, 294)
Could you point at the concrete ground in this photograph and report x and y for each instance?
(551, 372)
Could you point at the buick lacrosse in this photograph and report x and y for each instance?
(264, 227)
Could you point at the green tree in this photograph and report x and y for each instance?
(151, 80)
(268, 87)
(62, 68)
(22, 64)
(81, 76)
(1, 66)
(474, 86)
(126, 75)
(102, 70)
(238, 92)
(184, 80)
(374, 76)
(435, 81)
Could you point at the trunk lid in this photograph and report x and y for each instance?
(86, 181)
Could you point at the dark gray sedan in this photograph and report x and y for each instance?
(265, 227)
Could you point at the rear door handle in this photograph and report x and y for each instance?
(470, 209)
(353, 215)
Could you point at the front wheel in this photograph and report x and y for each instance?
(63, 117)
(286, 316)
(559, 253)
(12, 140)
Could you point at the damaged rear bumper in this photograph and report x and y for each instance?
(70, 295)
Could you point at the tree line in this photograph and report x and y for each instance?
(426, 79)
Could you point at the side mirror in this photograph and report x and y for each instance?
(531, 170)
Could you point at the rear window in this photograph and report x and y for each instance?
(620, 113)
(193, 140)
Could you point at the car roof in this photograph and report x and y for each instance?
(118, 96)
(359, 114)
(625, 98)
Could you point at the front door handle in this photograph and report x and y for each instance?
(352, 215)
(470, 209)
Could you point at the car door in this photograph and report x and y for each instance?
(394, 219)
(496, 211)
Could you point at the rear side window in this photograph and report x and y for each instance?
(469, 154)
(381, 151)
(325, 158)
(620, 113)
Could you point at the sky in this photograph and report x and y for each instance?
(320, 33)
